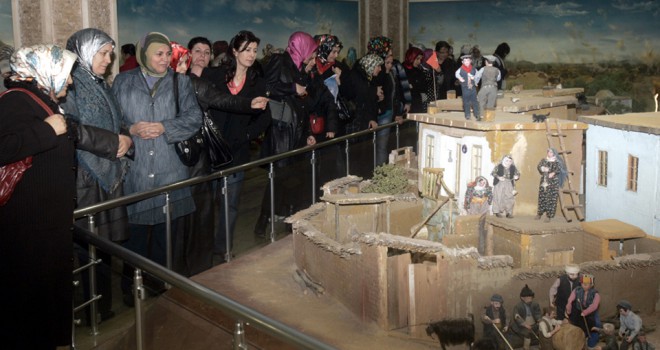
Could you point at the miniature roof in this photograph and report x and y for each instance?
(612, 229)
(503, 121)
(648, 122)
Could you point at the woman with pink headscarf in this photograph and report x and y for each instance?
(288, 80)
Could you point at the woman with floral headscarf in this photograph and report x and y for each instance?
(364, 93)
(504, 176)
(36, 240)
(553, 173)
(99, 176)
(148, 101)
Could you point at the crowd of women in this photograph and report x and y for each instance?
(84, 141)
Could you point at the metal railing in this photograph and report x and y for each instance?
(242, 313)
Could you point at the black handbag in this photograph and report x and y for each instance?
(219, 150)
(187, 150)
(343, 111)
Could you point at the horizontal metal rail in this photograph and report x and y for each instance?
(234, 309)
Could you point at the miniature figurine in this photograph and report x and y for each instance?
(562, 288)
(527, 314)
(494, 321)
(608, 337)
(631, 324)
(582, 309)
(548, 327)
(504, 176)
(553, 173)
(478, 197)
(642, 343)
(465, 74)
(487, 96)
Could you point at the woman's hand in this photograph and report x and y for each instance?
(373, 124)
(147, 130)
(301, 90)
(551, 175)
(330, 135)
(259, 103)
(311, 140)
(125, 143)
(379, 93)
(57, 122)
(337, 72)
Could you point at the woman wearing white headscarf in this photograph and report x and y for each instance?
(35, 239)
(99, 177)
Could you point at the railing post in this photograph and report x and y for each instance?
(271, 180)
(313, 163)
(93, 312)
(397, 135)
(168, 232)
(225, 199)
(138, 296)
(373, 141)
(348, 160)
(239, 336)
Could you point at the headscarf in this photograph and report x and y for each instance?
(144, 49)
(351, 57)
(48, 65)
(380, 45)
(86, 43)
(563, 173)
(477, 185)
(179, 51)
(411, 55)
(369, 63)
(301, 45)
(326, 43)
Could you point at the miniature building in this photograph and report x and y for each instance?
(622, 169)
(466, 149)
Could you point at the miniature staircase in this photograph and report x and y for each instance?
(568, 188)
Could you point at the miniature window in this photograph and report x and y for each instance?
(602, 168)
(633, 163)
(429, 151)
(476, 161)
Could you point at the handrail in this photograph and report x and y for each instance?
(136, 197)
(244, 313)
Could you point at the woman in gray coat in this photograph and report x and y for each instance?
(147, 98)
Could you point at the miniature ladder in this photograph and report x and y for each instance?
(563, 152)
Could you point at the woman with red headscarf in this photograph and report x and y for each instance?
(416, 78)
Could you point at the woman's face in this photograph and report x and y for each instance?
(550, 154)
(62, 92)
(309, 62)
(201, 55)
(160, 59)
(507, 162)
(442, 54)
(102, 60)
(332, 56)
(376, 71)
(417, 61)
(482, 182)
(182, 66)
(247, 56)
(389, 60)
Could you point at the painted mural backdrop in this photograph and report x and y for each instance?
(593, 44)
(272, 21)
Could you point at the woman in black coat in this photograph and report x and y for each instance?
(35, 240)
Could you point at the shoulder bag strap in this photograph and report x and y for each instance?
(33, 96)
(176, 91)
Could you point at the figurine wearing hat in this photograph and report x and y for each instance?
(489, 75)
(526, 314)
(465, 74)
(631, 324)
(562, 288)
(494, 316)
(582, 308)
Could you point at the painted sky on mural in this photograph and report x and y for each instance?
(272, 21)
(6, 31)
(544, 31)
